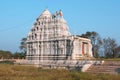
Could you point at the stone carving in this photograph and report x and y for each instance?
(50, 39)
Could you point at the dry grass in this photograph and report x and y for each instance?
(17, 72)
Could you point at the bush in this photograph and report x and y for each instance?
(6, 62)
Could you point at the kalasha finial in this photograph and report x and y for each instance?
(61, 14)
(57, 14)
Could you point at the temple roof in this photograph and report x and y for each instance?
(46, 13)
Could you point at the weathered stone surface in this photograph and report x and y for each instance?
(50, 40)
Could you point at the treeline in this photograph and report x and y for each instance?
(103, 47)
(10, 55)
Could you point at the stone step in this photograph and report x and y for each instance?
(101, 70)
(106, 67)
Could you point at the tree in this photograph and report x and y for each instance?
(18, 55)
(111, 49)
(95, 40)
(23, 44)
(23, 48)
(5, 54)
(117, 51)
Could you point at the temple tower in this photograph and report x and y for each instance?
(50, 39)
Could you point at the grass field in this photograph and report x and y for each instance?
(17, 72)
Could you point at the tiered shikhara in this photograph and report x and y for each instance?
(50, 40)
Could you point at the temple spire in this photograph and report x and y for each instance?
(46, 12)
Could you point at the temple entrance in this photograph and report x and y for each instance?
(84, 48)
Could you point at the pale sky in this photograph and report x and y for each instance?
(18, 16)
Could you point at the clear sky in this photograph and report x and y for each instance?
(17, 17)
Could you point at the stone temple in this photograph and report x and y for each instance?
(50, 42)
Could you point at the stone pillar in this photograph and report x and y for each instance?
(41, 52)
(38, 52)
(73, 50)
(80, 43)
(90, 49)
(27, 52)
(27, 49)
(50, 47)
(65, 46)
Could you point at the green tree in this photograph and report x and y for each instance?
(23, 48)
(23, 45)
(5, 54)
(18, 55)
